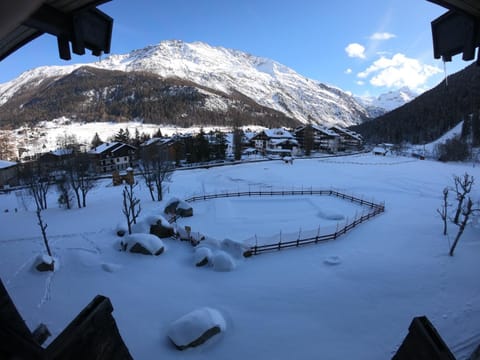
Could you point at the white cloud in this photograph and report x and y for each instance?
(355, 50)
(348, 71)
(382, 36)
(399, 71)
(360, 82)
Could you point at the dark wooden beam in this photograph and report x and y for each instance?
(85, 29)
(469, 7)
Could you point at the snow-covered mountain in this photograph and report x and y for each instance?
(266, 82)
(388, 101)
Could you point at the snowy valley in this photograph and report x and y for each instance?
(353, 297)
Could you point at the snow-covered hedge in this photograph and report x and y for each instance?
(221, 254)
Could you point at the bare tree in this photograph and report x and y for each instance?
(156, 170)
(68, 142)
(78, 174)
(463, 186)
(65, 191)
(7, 149)
(43, 228)
(131, 205)
(443, 211)
(37, 182)
(466, 212)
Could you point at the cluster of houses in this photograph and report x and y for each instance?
(111, 157)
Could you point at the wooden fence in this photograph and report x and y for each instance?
(375, 209)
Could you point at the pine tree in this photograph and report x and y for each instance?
(96, 141)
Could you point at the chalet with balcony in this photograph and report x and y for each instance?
(54, 160)
(275, 142)
(161, 148)
(113, 156)
(323, 139)
(349, 140)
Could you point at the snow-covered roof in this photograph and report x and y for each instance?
(61, 152)
(155, 140)
(103, 147)
(319, 128)
(325, 131)
(108, 146)
(6, 164)
(352, 134)
(282, 141)
(278, 133)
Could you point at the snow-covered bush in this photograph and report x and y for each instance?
(46, 263)
(196, 327)
(202, 256)
(143, 243)
(223, 261)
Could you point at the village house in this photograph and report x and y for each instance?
(163, 148)
(8, 174)
(275, 142)
(54, 160)
(349, 140)
(323, 139)
(113, 156)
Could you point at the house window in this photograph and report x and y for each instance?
(104, 169)
(125, 158)
(118, 160)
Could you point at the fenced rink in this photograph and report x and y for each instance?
(305, 235)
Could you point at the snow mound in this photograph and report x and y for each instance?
(149, 242)
(222, 254)
(223, 261)
(45, 262)
(330, 216)
(143, 224)
(111, 268)
(196, 327)
(121, 229)
(332, 260)
(202, 256)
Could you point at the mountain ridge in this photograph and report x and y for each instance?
(223, 72)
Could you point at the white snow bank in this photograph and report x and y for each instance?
(222, 261)
(193, 325)
(222, 254)
(232, 247)
(148, 241)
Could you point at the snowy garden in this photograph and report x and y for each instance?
(353, 297)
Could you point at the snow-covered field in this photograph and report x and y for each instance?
(352, 298)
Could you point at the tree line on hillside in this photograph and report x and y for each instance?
(431, 114)
(89, 94)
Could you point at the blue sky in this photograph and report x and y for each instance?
(364, 47)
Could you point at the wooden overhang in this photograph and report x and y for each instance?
(457, 31)
(75, 22)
